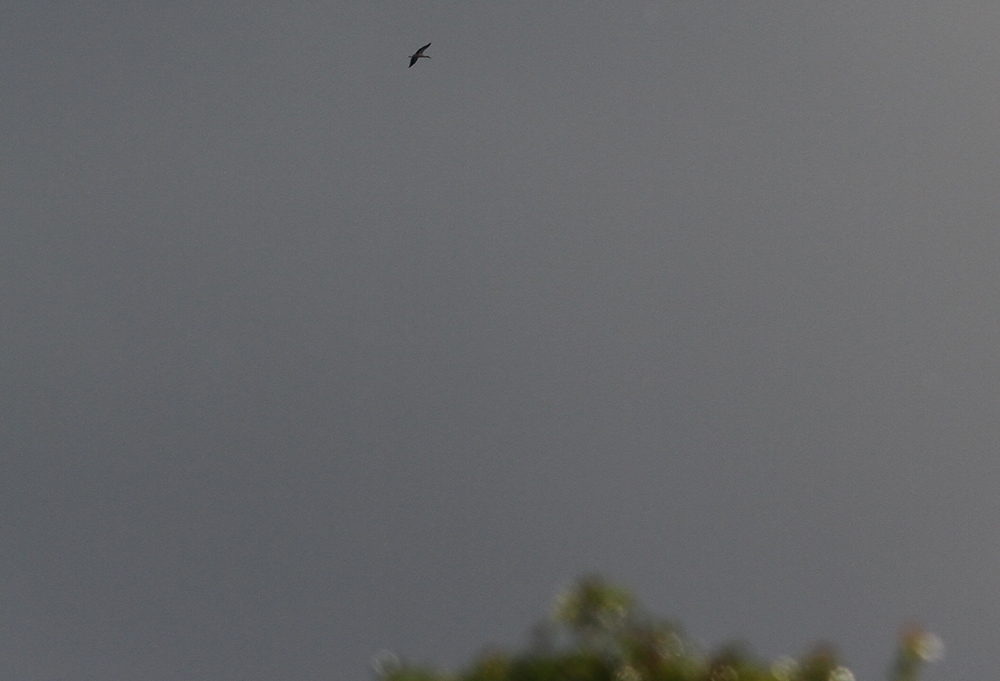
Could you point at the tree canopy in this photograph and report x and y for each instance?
(598, 632)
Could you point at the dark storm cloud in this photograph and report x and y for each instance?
(308, 354)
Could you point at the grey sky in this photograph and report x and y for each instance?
(308, 354)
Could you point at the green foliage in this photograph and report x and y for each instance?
(595, 611)
(605, 637)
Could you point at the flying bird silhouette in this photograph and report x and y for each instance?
(419, 54)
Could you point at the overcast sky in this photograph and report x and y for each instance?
(307, 354)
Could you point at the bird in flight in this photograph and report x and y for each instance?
(419, 54)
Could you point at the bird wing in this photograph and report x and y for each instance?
(417, 55)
